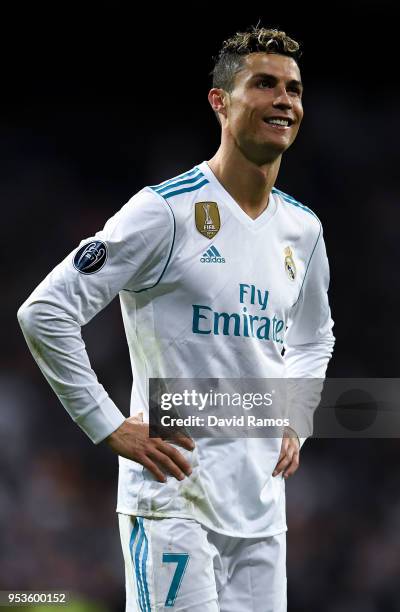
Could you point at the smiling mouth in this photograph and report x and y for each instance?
(279, 123)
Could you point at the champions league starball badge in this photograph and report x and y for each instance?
(207, 218)
(290, 266)
(91, 257)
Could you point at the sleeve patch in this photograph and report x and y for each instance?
(91, 257)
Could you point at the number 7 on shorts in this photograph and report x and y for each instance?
(181, 560)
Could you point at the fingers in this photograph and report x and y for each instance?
(166, 463)
(154, 469)
(184, 441)
(177, 458)
(282, 456)
(282, 465)
(162, 457)
(289, 458)
(294, 464)
(131, 440)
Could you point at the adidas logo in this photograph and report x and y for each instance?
(212, 256)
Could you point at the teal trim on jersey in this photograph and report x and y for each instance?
(194, 188)
(308, 265)
(164, 196)
(181, 560)
(144, 570)
(169, 256)
(179, 183)
(136, 564)
(176, 178)
(291, 200)
(179, 180)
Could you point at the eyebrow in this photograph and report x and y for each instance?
(299, 84)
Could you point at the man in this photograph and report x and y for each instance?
(218, 272)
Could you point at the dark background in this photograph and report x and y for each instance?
(98, 102)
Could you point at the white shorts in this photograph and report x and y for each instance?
(178, 563)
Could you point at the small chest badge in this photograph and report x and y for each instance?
(290, 266)
(207, 218)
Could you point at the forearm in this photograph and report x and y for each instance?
(55, 341)
(309, 360)
(306, 366)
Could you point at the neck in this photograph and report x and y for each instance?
(248, 183)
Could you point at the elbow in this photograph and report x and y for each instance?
(29, 316)
(39, 317)
(25, 317)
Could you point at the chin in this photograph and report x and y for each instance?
(266, 151)
(274, 148)
(279, 147)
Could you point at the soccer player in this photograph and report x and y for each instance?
(217, 271)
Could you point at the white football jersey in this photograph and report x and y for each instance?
(206, 292)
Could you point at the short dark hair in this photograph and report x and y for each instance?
(256, 39)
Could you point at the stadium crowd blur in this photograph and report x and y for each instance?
(75, 144)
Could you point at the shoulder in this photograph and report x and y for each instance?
(143, 211)
(295, 207)
(186, 183)
(154, 206)
(300, 214)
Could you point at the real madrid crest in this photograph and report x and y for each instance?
(290, 266)
(207, 218)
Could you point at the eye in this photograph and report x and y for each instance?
(264, 83)
(296, 90)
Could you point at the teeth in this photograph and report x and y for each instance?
(284, 122)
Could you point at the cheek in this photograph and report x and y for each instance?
(300, 112)
(296, 130)
(240, 120)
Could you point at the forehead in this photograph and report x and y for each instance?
(280, 66)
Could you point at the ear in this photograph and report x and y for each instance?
(218, 99)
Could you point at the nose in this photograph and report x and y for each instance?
(282, 100)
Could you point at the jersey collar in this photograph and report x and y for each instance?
(237, 210)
